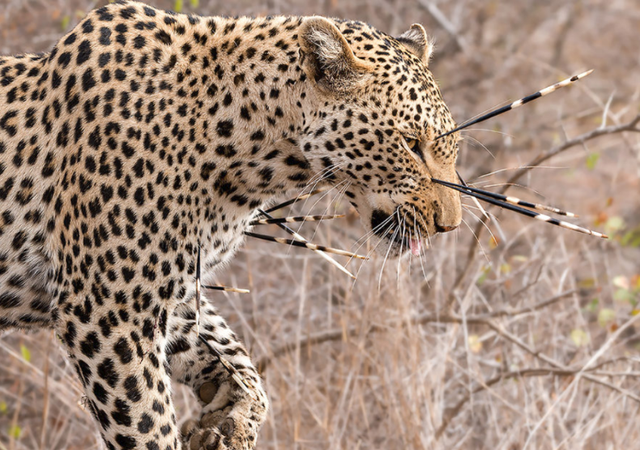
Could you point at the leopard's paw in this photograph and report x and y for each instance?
(225, 423)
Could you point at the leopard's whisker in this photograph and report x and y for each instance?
(469, 207)
(426, 228)
(523, 211)
(294, 200)
(517, 103)
(487, 185)
(478, 239)
(418, 233)
(226, 289)
(506, 169)
(489, 130)
(402, 240)
(531, 190)
(466, 206)
(402, 233)
(302, 239)
(321, 175)
(386, 256)
(475, 200)
(323, 195)
(508, 199)
(301, 244)
(306, 196)
(484, 224)
(198, 292)
(473, 142)
(423, 252)
(341, 189)
(293, 219)
(365, 238)
(389, 225)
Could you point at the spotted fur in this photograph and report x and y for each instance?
(145, 135)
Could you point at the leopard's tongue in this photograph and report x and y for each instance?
(416, 246)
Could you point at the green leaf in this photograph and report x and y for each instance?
(483, 276)
(624, 295)
(587, 283)
(178, 5)
(614, 224)
(631, 238)
(592, 160)
(579, 337)
(593, 305)
(26, 354)
(605, 316)
(195, 3)
(3, 407)
(635, 283)
(64, 23)
(15, 431)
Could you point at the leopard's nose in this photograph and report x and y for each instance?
(440, 228)
(445, 228)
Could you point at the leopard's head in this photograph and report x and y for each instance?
(374, 132)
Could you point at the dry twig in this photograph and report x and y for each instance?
(342, 334)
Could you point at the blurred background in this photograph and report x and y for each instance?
(506, 335)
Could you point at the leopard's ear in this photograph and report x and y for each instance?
(418, 43)
(328, 58)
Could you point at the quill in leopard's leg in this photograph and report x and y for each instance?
(217, 367)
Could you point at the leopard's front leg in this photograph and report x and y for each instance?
(233, 408)
(119, 348)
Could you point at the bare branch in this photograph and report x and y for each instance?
(340, 334)
(557, 369)
(445, 23)
(524, 373)
(631, 126)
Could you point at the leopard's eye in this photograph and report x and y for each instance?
(414, 146)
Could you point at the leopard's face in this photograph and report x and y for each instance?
(376, 136)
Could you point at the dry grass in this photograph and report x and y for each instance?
(540, 346)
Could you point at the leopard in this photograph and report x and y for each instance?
(144, 137)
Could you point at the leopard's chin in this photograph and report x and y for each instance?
(395, 240)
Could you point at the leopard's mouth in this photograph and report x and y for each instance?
(396, 231)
